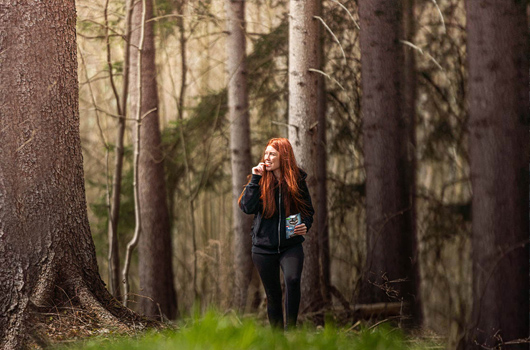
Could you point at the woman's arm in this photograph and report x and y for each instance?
(250, 199)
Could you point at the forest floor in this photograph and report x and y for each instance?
(76, 330)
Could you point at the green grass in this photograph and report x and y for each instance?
(227, 332)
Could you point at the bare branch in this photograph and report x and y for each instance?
(349, 13)
(327, 76)
(441, 15)
(408, 43)
(333, 35)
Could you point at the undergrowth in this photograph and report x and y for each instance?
(219, 332)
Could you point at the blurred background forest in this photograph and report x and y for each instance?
(190, 40)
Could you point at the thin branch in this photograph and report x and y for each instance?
(147, 113)
(408, 43)
(333, 35)
(441, 15)
(154, 19)
(90, 37)
(93, 79)
(284, 124)
(387, 320)
(109, 114)
(327, 76)
(101, 25)
(349, 13)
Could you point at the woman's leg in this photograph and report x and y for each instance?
(268, 266)
(292, 262)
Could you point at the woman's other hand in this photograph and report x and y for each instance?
(300, 229)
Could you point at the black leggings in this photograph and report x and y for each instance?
(291, 262)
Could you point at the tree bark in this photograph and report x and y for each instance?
(303, 110)
(389, 273)
(158, 295)
(408, 167)
(321, 172)
(239, 146)
(47, 256)
(499, 156)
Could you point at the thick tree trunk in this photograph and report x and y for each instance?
(389, 273)
(47, 256)
(303, 110)
(499, 153)
(239, 145)
(158, 295)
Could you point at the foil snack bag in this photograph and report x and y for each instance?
(291, 222)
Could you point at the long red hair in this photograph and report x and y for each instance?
(290, 178)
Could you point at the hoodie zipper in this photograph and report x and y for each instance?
(279, 216)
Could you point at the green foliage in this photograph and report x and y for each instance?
(164, 11)
(217, 331)
(117, 68)
(208, 118)
(170, 15)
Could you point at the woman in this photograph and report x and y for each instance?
(276, 190)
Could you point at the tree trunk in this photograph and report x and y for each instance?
(499, 155)
(158, 295)
(389, 273)
(303, 110)
(47, 256)
(321, 173)
(408, 167)
(239, 146)
(114, 217)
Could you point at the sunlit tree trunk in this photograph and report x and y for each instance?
(389, 271)
(157, 291)
(47, 256)
(303, 110)
(499, 154)
(239, 145)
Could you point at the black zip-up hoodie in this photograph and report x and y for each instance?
(265, 236)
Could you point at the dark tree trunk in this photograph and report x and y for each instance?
(321, 172)
(158, 295)
(239, 146)
(499, 155)
(408, 166)
(389, 272)
(47, 256)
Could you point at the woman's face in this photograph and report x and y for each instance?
(271, 159)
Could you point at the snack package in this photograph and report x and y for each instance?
(291, 222)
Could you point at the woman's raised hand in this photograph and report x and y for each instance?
(258, 169)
